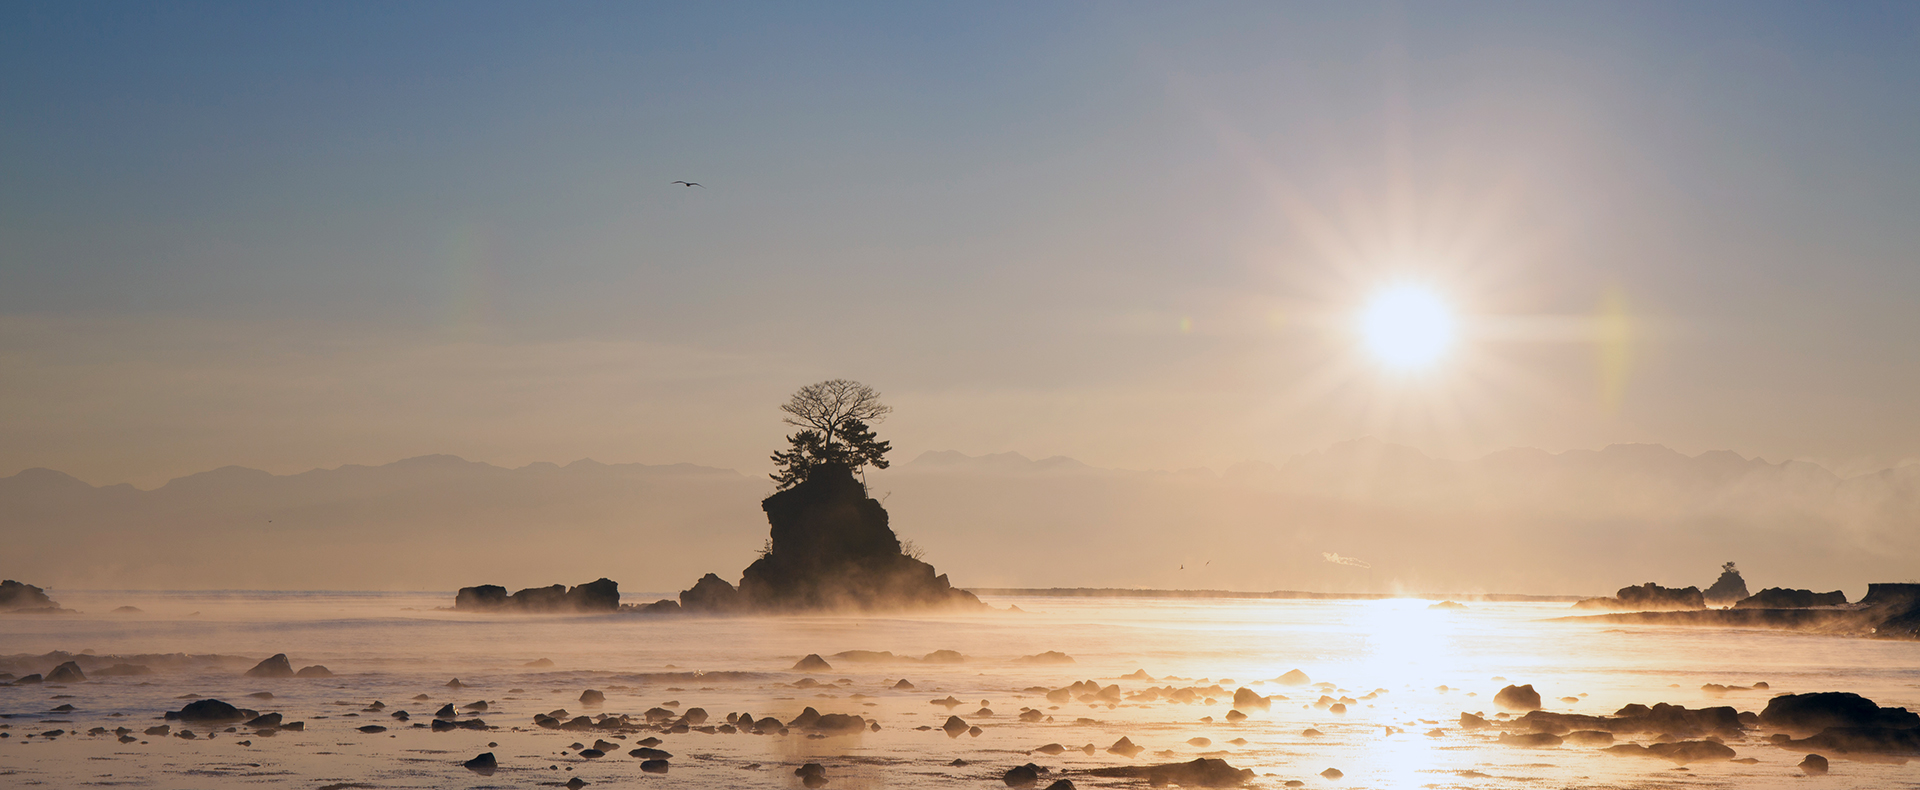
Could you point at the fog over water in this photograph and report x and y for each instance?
(390, 647)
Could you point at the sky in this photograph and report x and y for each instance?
(300, 235)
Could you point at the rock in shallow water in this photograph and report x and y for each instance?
(276, 667)
(483, 765)
(1518, 698)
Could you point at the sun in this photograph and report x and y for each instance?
(1407, 327)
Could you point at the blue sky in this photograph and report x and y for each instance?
(307, 234)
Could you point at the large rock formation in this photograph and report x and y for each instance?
(1889, 611)
(1649, 597)
(23, 598)
(831, 549)
(601, 595)
(1727, 589)
(1783, 598)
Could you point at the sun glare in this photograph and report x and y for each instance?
(1407, 327)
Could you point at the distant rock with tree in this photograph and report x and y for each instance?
(1727, 590)
(831, 545)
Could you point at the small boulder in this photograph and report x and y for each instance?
(654, 766)
(592, 697)
(812, 663)
(483, 765)
(1814, 765)
(315, 671)
(1022, 775)
(1125, 747)
(1294, 677)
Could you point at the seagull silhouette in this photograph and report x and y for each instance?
(689, 183)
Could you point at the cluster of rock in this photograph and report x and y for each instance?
(1649, 597)
(1783, 598)
(279, 667)
(602, 595)
(1829, 721)
(1729, 590)
(831, 549)
(1889, 611)
(20, 598)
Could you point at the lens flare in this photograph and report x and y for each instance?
(1407, 327)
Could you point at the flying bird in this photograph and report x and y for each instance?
(689, 184)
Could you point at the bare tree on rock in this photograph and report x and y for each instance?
(828, 405)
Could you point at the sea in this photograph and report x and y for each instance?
(1403, 670)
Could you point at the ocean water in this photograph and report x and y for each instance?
(1391, 657)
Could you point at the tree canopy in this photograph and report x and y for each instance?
(837, 409)
(826, 406)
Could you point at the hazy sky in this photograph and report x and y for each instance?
(298, 235)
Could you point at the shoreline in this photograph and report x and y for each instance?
(1128, 592)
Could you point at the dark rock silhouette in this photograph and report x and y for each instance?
(67, 673)
(1783, 598)
(1814, 765)
(275, 667)
(1201, 772)
(1661, 719)
(1820, 711)
(1889, 611)
(1681, 752)
(812, 663)
(1518, 698)
(831, 548)
(20, 598)
(712, 594)
(211, 711)
(484, 765)
(1727, 589)
(601, 595)
(315, 671)
(1649, 597)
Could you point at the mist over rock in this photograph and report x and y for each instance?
(1783, 598)
(1649, 597)
(601, 595)
(1727, 589)
(19, 597)
(831, 549)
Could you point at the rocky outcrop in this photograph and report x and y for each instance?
(1820, 711)
(275, 667)
(1889, 611)
(713, 595)
(602, 595)
(831, 549)
(1783, 598)
(19, 598)
(1649, 597)
(67, 673)
(1727, 589)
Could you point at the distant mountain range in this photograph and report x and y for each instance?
(1361, 516)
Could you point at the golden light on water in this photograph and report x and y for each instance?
(1407, 327)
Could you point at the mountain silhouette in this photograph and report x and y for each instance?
(1581, 522)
